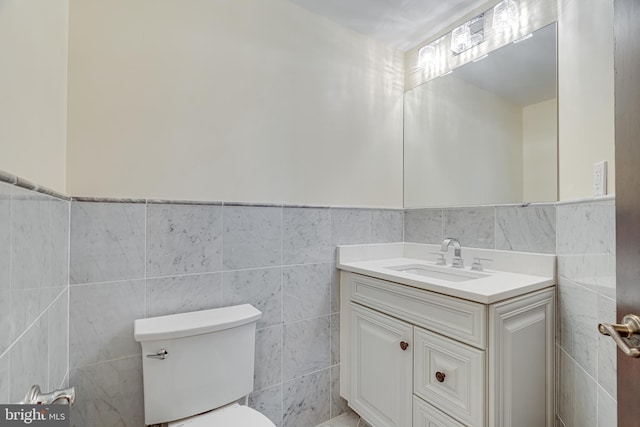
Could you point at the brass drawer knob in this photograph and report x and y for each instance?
(404, 345)
(440, 376)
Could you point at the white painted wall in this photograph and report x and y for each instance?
(540, 151)
(242, 100)
(463, 146)
(33, 84)
(585, 94)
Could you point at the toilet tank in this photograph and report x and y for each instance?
(201, 360)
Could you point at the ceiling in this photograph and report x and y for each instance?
(401, 24)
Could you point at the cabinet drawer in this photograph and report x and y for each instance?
(453, 317)
(450, 376)
(425, 415)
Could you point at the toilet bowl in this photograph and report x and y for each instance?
(233, 415)
(197, 365)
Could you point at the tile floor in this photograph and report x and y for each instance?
(349, 419)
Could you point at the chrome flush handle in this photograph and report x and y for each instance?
(621, 332)
(162, 354)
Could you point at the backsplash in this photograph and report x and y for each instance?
(134, 260)
(34, 283)
(510, 228)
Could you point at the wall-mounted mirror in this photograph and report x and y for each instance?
(487, 132)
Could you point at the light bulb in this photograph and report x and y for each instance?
(504, 15)
(426, 55)
(461, 38)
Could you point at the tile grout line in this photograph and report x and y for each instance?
(222, 253)
(404, 229)
(282, 315)
(111, 282)
(577, 364)
(370, 226)
(495, 228)
(302, 376)
(202, 273)
(44, 311)
(144, 258)
(11, 331)
(50, 282)
(597, 356)
(103, 362)
(281, 396)
(331, 290)
(68, 374)
(441, 225)
(281, 266)
(331, 297)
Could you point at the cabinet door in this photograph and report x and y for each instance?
(521, 361)
(381, 359)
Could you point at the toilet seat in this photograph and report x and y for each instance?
(233, 415)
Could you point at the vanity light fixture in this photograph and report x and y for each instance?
(504, 15)
(430, 55)
(468, 35)
(461, 39)
(426, 55)
(523, 38)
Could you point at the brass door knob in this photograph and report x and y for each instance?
(404, 345)
(440, 376)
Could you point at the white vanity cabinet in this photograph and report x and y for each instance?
(412, 357)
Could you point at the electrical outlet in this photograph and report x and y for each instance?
(600, 179)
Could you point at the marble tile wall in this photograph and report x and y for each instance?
(34, 242)
(513, 228)
(586, 376)
(135, 260)
(131, 260)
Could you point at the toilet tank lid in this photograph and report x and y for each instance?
(194, 323)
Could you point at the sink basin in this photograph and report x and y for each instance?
(441, 273)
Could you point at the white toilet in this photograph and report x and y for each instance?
(197, 365)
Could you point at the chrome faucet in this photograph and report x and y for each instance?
(457, 253)
(35, 397)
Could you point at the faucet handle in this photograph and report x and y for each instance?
(457, 260)
(441, 259)
(477, 263)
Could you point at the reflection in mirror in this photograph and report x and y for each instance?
(487, 132)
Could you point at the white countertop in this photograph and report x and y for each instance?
(498, 285)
